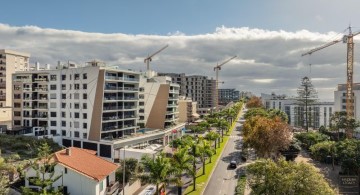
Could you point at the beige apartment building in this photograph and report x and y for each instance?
(187, 110)
(10, 62)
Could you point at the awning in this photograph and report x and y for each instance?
(195, 115)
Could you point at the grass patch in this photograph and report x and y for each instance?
(201, 179)
(240, 187)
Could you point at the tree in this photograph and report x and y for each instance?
(131, 169)
(156, 170)
(340, 121)
(4, 179)
(180, 163)
(348, 153)
(212, 137)
(286, 177)
(256, 112)
(273, 113)
(311, 138)
(307, 95)
(254, 102)
(45, 174)
(230, 113)
(205, 125)
(204, 151)
(266, 136)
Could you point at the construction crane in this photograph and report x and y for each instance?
(149, 58)
(217, 68)
(349, 39)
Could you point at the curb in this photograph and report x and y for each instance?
(207, 182)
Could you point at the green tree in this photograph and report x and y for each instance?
(205, 150)
(286, 177)
(348, 152)
(340, 121)
(205, 125)
(273, 113)
(311, 138)
(254, 102)
(45, 174)
(180, 163)
(256, 112)
(212, 137)
(156, 170)
(131, 170)
(4, 179)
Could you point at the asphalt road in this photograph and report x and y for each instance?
(223, 180)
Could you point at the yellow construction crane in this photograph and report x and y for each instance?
(349, 39)
(149, 58)
(217, 68)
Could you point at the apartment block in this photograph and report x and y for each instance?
(319, 112)
(340, 99)
(187, 110)
(87, 107)
(10, 61)
(199, 88)
(158, 105)
(228, 95)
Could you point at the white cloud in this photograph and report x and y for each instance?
(267, 60)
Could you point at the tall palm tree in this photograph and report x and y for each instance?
(204, 151)
(212, 137)
(156, 170)
(193, 145)
(181, 162)
(205, 125)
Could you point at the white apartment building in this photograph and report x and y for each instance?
(87, 107)
(340, 99)
(10, 61)
(319, 112)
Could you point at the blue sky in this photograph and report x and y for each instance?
(268, 36)
(187, 16)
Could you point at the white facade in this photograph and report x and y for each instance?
(340, 99)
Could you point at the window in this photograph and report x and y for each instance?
(63, 86)
(76, 134)
(76, 86)
(63, 77)
(343, 100)
(53, 96)
(84, 86)
(63, 123)
(76, 124)
(65, 170)
(70, 76)
(85, 76)
(70, 86)
(63, 114)
(76, 106)
(84, 106)
(52, 87)
(85, 125)
(85, 135)
(53, 123)
(101, 186)
(84, 115)
(53, 132)
(63, 132)
(84, 96)
(63, 96)
(53, 105)
(63, 105)
(53, 114)
(76, 115)
(76, 96)
(52, 77)
(76, 77)
(17, 122)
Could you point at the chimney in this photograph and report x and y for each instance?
(68, 151)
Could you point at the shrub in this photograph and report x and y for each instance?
(310, 138)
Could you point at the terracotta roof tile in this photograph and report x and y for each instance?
(86, 162)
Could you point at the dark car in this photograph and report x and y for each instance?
(232, 164)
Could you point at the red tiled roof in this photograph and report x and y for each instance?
(86, 162)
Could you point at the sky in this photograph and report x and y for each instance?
(267, 36)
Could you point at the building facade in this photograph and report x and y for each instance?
(319, 113)
(10, 61)
(199, 88)
(187, 110)
(228, 95)
(340, 99)
(88, 107)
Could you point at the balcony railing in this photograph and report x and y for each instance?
(2, 75)
(113, 108)
(2, 85)
(40, 79)
(130, 79)
(113, 77)
(114, 186)
(111, 118)
(3, 97)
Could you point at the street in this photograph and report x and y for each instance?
(223, 180)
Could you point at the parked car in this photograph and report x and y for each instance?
(233, 164)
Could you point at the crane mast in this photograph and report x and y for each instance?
(149, 58)
(217, 68)
(349, 40)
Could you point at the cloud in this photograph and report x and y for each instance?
(268, 61)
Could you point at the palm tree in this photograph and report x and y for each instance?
(204, 151)
(181, 162)
(156, 170)
(212, 137)
(205, 125)
(193, 145)
(221, 124)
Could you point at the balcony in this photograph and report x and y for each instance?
(110, 118)
(3, 97)
(112, 108)
(129, 107)
(2, 69)
(40, 79)
(2, 85)
(113, 78)
(2, 75)
(130, 79)
(130, 98)
(41, 89)
(112, 188)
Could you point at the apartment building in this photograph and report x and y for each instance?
(199, 88)
(10, 61)
(228, 95)
(187, 110)
(87, 107)
(158, 105)
(340, 99)
(319, 112)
